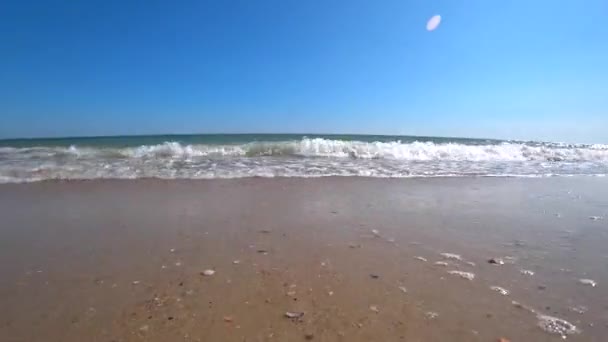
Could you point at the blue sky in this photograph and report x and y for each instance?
(508, 69)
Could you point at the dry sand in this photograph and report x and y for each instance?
(122, 260)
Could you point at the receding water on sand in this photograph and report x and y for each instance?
(225, 260)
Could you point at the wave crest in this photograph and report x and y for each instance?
(308, 157)
(320, 147)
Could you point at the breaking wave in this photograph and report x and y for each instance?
(308, 157)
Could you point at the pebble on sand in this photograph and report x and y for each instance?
(208, 272)
(496, 261)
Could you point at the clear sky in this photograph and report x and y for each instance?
(523, 69)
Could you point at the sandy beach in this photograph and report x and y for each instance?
(351, 259)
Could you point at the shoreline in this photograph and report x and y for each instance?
(312, 177)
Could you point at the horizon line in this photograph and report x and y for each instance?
(110, 136)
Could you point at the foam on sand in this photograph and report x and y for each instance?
(451, 256)
(500, 290)
(554, 325)
(465, 275)
(589, 282)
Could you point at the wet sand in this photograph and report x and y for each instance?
(122, 260)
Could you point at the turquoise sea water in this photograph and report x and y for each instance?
(290, 155)
(218, 139)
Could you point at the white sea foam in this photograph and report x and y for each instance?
(451, 256)
(308, 157)
(465, 275)
(556, 325)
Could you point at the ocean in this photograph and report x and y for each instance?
(291, 155)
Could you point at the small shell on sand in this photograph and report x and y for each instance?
(589, 282)
(579, 309)
(431, 315)
(374, 308)
(451, 256)
(500, 290)
(294, 315)
(441, 263)
(496, 261)
(554, 325)
(208, 272)
(236, 262)
(465, 275)
(420, 258)
(523, 306)
(403, 289)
